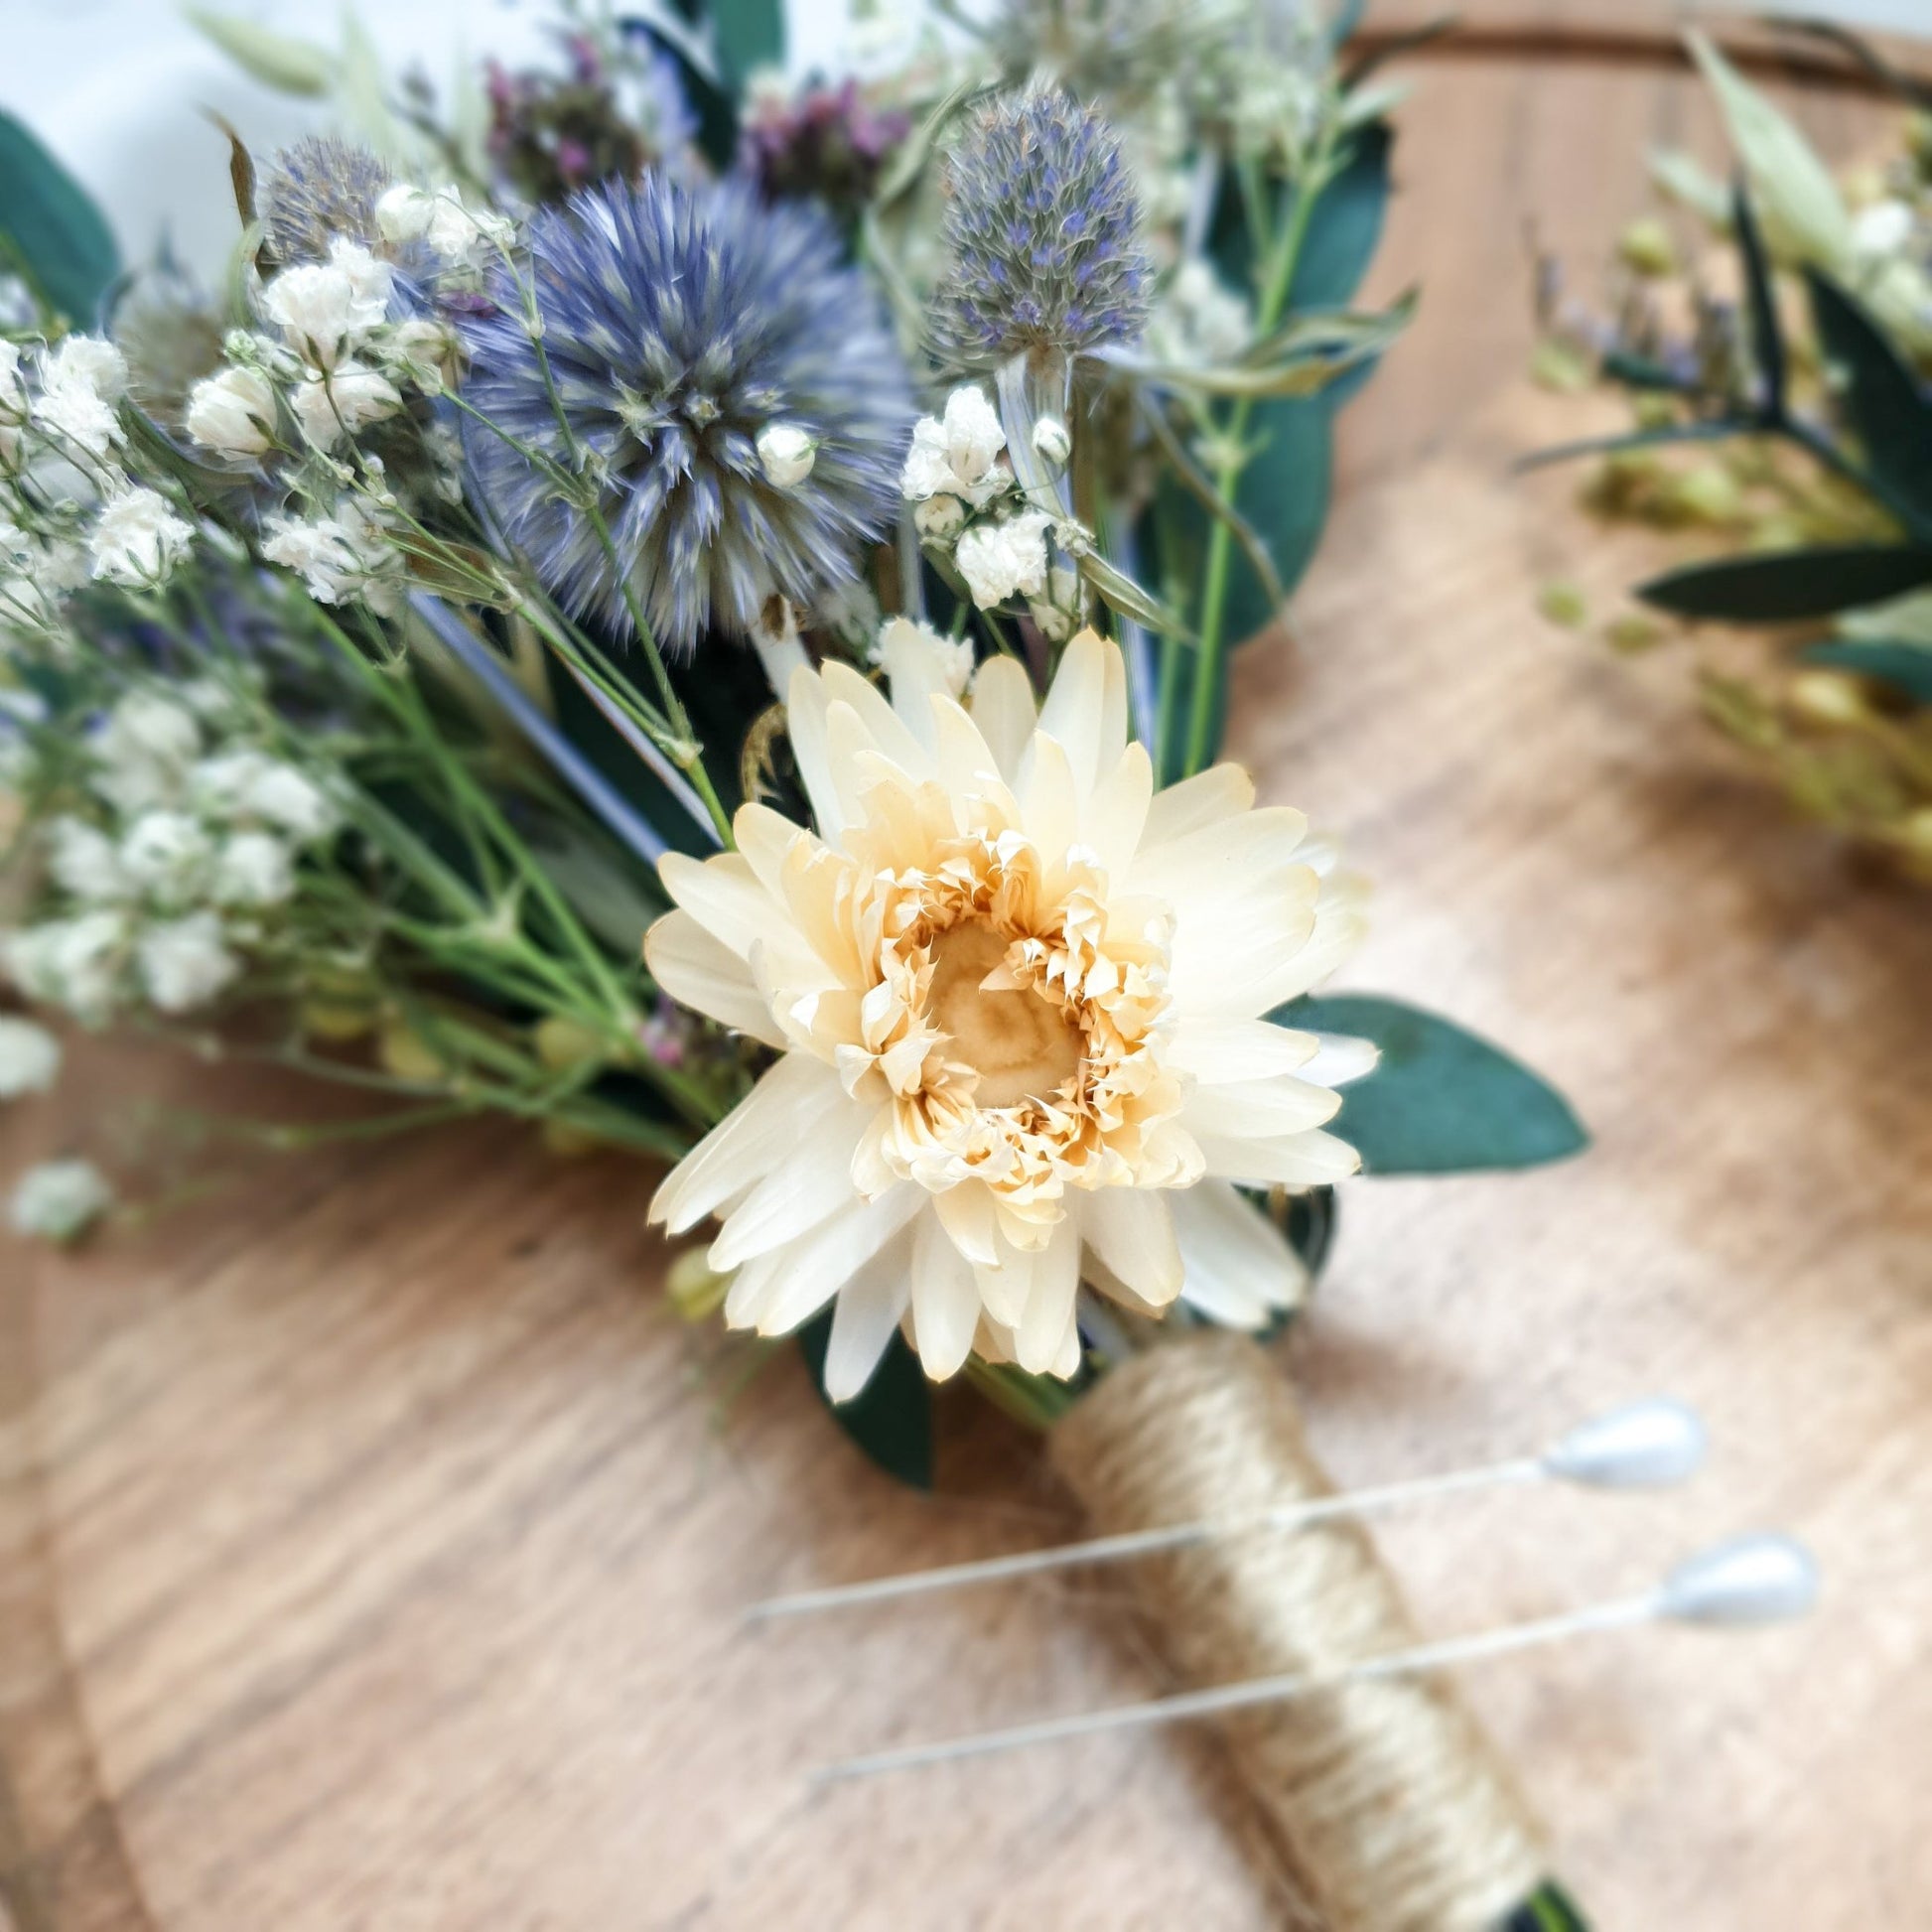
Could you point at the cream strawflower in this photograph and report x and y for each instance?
(1019, 999)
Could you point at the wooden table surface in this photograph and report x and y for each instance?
(372, 1533)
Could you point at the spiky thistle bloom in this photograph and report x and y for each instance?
(320, 188)
(679, 324)
(1019, 997)
(1043, 232)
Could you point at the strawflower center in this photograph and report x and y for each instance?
(1020, 1044)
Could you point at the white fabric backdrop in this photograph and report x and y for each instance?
(117, 88)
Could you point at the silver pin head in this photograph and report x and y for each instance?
(1751, 1580)
(1647, 1444)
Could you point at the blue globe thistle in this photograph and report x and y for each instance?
(680, 323)
(1044, 229)
(320, 188)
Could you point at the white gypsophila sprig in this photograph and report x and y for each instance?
(254, 869)
(326, 309)
(72, 963)
(186, 963)
(341, 558)
(144, 751)
(81, 383)
(1005, 557)
(233, 413)
(423, 353)
(248, 786)
(459, 235)
(185, 839)
(786, 454)
(336, 403)
(167, 857)
(958, 456)
(13, 403)
(58, 1200)
(137, 539)
(30, 1058)
(85, 862)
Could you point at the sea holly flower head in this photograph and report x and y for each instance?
(674, 325)
(1043, 233)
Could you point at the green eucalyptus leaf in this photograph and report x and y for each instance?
(1309, 1220)
(1804, 214)
(1346, 226)
(1548, 1909)
(1905, 665)
(1637, 372)
(1761, 306)
(51, 230)
(748, 35)
(1705, 430)
(891, 1419)
(1887, 410)
(1781, 586)
(1440, 1100)
(278, 61)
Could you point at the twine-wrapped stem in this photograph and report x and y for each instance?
(1389, 1800)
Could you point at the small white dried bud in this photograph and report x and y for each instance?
(1052, 441)
(939, 517)
(1001, 559)
(1882, 229)
(58, 1200)
(185, 963)
(233, 413)
(786, 454)
(424, 352)
(30, 1058)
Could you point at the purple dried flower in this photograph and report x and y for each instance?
(828, 143)
(679, 323)
(1044, 229)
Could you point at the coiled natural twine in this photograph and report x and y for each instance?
(1388, 1798)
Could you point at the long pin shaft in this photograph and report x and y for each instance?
(1239, 1697)
(1142, 1543)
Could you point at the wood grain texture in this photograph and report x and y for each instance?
(371, 1535)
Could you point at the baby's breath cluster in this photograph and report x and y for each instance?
(969, 509)
(169, 841)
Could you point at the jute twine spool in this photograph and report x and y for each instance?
(1388, 1798)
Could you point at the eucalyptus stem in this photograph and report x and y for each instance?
(1220, 542)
